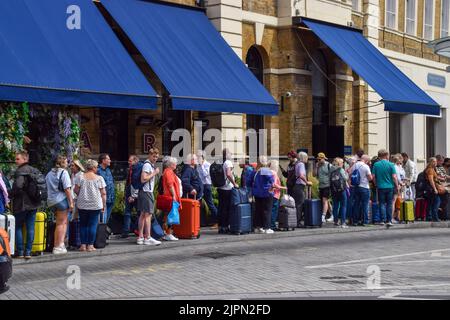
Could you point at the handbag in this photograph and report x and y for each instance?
(441, 189)
(164, 203)
(174, 216)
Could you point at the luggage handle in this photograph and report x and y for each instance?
(309, 192)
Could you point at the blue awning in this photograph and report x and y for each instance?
(43, 61)
(399, 93)
(195, 64)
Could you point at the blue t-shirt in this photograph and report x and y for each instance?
(2, 202)
(54, 195)
(383, 171)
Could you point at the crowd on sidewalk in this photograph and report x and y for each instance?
(349, 189)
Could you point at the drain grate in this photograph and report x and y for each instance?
(217, 255)
(347, 282)
(332, 278)
(357, 276)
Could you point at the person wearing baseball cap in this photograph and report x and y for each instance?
(324, 169)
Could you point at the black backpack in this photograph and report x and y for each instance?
(160, 186)
(337, 182)
(217, 175)
(423, 187)
(35, 186)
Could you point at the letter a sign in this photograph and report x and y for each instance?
(74, 20)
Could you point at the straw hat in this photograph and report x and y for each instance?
(79, 165)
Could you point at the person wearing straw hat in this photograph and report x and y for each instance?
(76, 170)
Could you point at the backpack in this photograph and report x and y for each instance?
(160, 186)
(35, 186)
(337, 182)
(422, 185)
(355, 178)
(217, 175)
(136, 175)
(136, 171)
(292, 178)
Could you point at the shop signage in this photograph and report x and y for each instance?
(149, 142)
(348, 150)
(436, 80)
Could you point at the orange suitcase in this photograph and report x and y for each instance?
(189, 227)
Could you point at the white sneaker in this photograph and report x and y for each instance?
(59, 250)
(269, 231)
(140, 241)
(323, 219)
(170, 237)
(344, 226)
(330, 219)
(259, 230)
(151, 242)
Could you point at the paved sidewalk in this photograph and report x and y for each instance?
(208, 236)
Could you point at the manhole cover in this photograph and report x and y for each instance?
(216, 255)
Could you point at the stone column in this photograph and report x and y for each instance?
(226, 15)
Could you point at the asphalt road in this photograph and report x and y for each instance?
(385, 264)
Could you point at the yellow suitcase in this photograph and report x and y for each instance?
(40, 233)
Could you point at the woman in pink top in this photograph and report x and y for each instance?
(277, 187)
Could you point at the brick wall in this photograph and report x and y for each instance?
(267, 7)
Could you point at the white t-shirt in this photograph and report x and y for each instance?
(228, 185)
(150, 185)
(90, 197)
(400, 173)
(364, 171)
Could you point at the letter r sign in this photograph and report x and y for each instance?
(73, 22)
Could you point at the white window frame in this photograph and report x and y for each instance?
(433, 13)
(414, 33)
(442, 16)
(395, 27)
(358, 5)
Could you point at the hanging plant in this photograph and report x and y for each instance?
(14, 120)
(57, 131)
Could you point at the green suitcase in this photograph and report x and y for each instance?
(407, 211)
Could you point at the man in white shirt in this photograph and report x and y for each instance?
(146, 200)
(362, 191)
(225, 193)
(203, 170)
(410, 173)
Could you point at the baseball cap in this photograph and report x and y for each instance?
(321, 155)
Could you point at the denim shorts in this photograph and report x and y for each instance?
(61, 206)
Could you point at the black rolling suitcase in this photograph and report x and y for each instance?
(102, 232)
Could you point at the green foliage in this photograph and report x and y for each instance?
(119, 204)
(14, 120)
(315, 187)
(56, 131)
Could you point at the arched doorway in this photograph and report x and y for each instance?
(255, 64)
(320, 103)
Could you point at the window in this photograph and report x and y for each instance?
(355, 5)
(428, 20)
(411, 17)
(444, 18)
(430, 129)
(395, 145)
(391, 13)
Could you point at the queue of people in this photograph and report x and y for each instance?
(347, 188)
